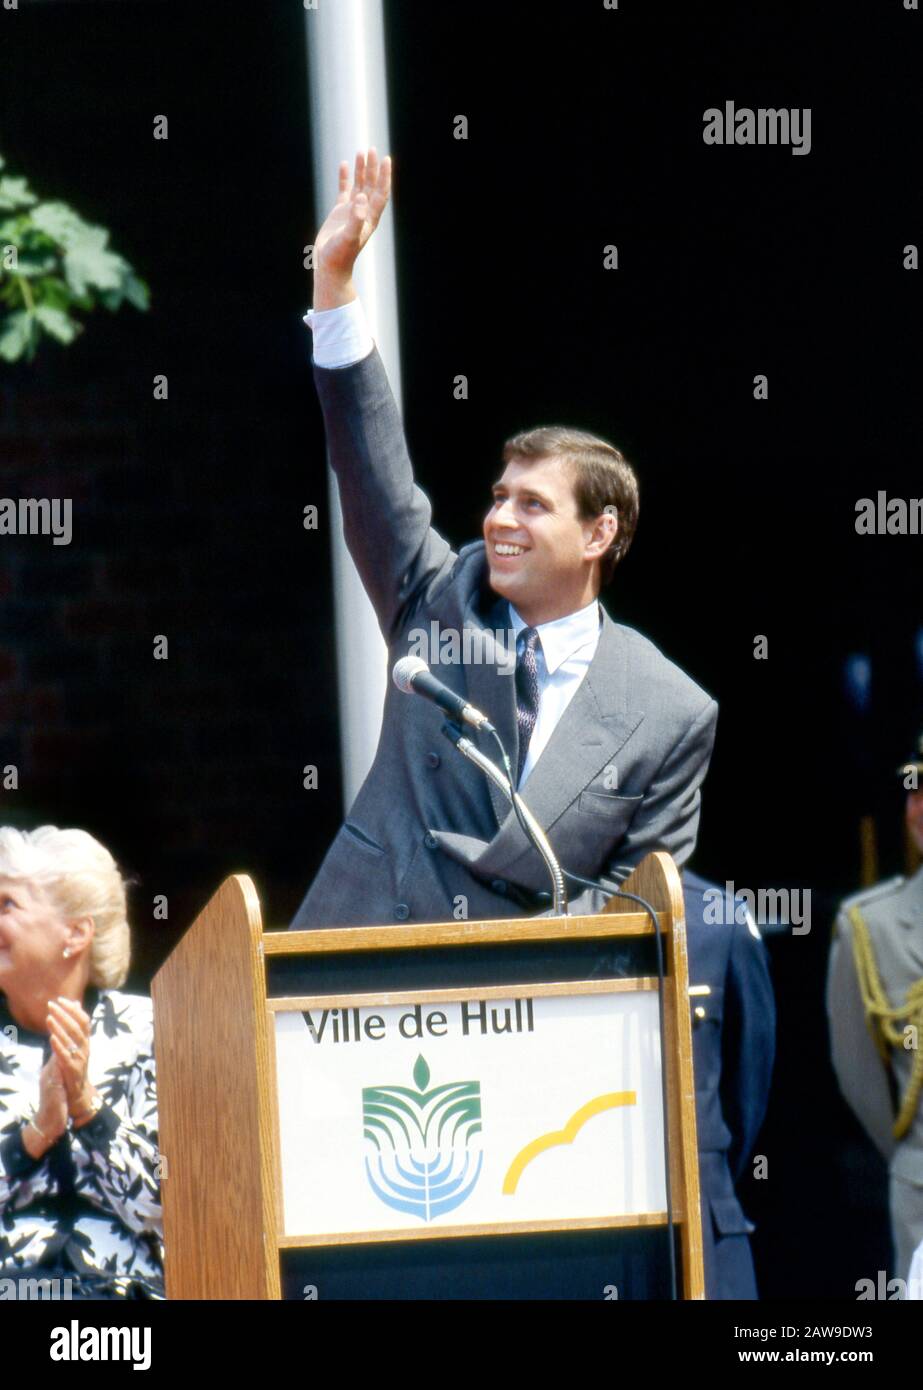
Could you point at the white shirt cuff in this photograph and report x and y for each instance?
(341, 335)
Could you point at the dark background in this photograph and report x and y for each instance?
(585, 128)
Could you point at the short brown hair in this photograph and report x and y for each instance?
(603, 478)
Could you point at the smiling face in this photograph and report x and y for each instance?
(542, 556)
(914, 816)
(33, 936)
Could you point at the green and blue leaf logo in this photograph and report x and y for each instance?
(423, 1146)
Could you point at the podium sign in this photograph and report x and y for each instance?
(454, 1112)
(302, 1112)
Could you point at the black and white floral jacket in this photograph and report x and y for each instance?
(92, 1203)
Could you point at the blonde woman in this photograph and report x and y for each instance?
(79, 1169)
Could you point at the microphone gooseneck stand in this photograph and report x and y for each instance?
(534, 832)
(530, 825)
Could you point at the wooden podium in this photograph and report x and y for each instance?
(217, 1003)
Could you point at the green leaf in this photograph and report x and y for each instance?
(15, 193)
(57, 323)
(421, 1073)
(16, 336)
(88, 262)
(60, 222)
(52, 291)
(137, 291)
(64, 265)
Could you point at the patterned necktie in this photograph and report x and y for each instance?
(527, 692)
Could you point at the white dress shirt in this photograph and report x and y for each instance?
(562, 657)
(568, 644)
(341, 336)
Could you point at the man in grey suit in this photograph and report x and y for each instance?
(875, 1010)
(609, 740)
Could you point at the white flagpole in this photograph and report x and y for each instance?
(349, 112)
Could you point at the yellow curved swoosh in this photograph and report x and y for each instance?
(567, 1135)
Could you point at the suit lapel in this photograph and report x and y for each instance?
(589, 733)
(588, 736)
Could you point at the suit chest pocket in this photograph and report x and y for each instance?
(361, 840)
(607, 806)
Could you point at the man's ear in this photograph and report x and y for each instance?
(605, 529)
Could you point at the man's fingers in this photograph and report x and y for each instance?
(372, 175)
(359, 208)
(382, 189)
(378, 175)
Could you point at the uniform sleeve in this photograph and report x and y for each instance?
(116, 1155)
(859, 1070)
(748, 1043)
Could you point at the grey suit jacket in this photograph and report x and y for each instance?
(428, 838)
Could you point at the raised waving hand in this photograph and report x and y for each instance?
(348, 226)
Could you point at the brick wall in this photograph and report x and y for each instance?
(187, 524)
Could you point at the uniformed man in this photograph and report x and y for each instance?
(733, 1045)
(875, 1011)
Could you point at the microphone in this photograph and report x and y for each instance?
(412, 675)
(530, 825)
